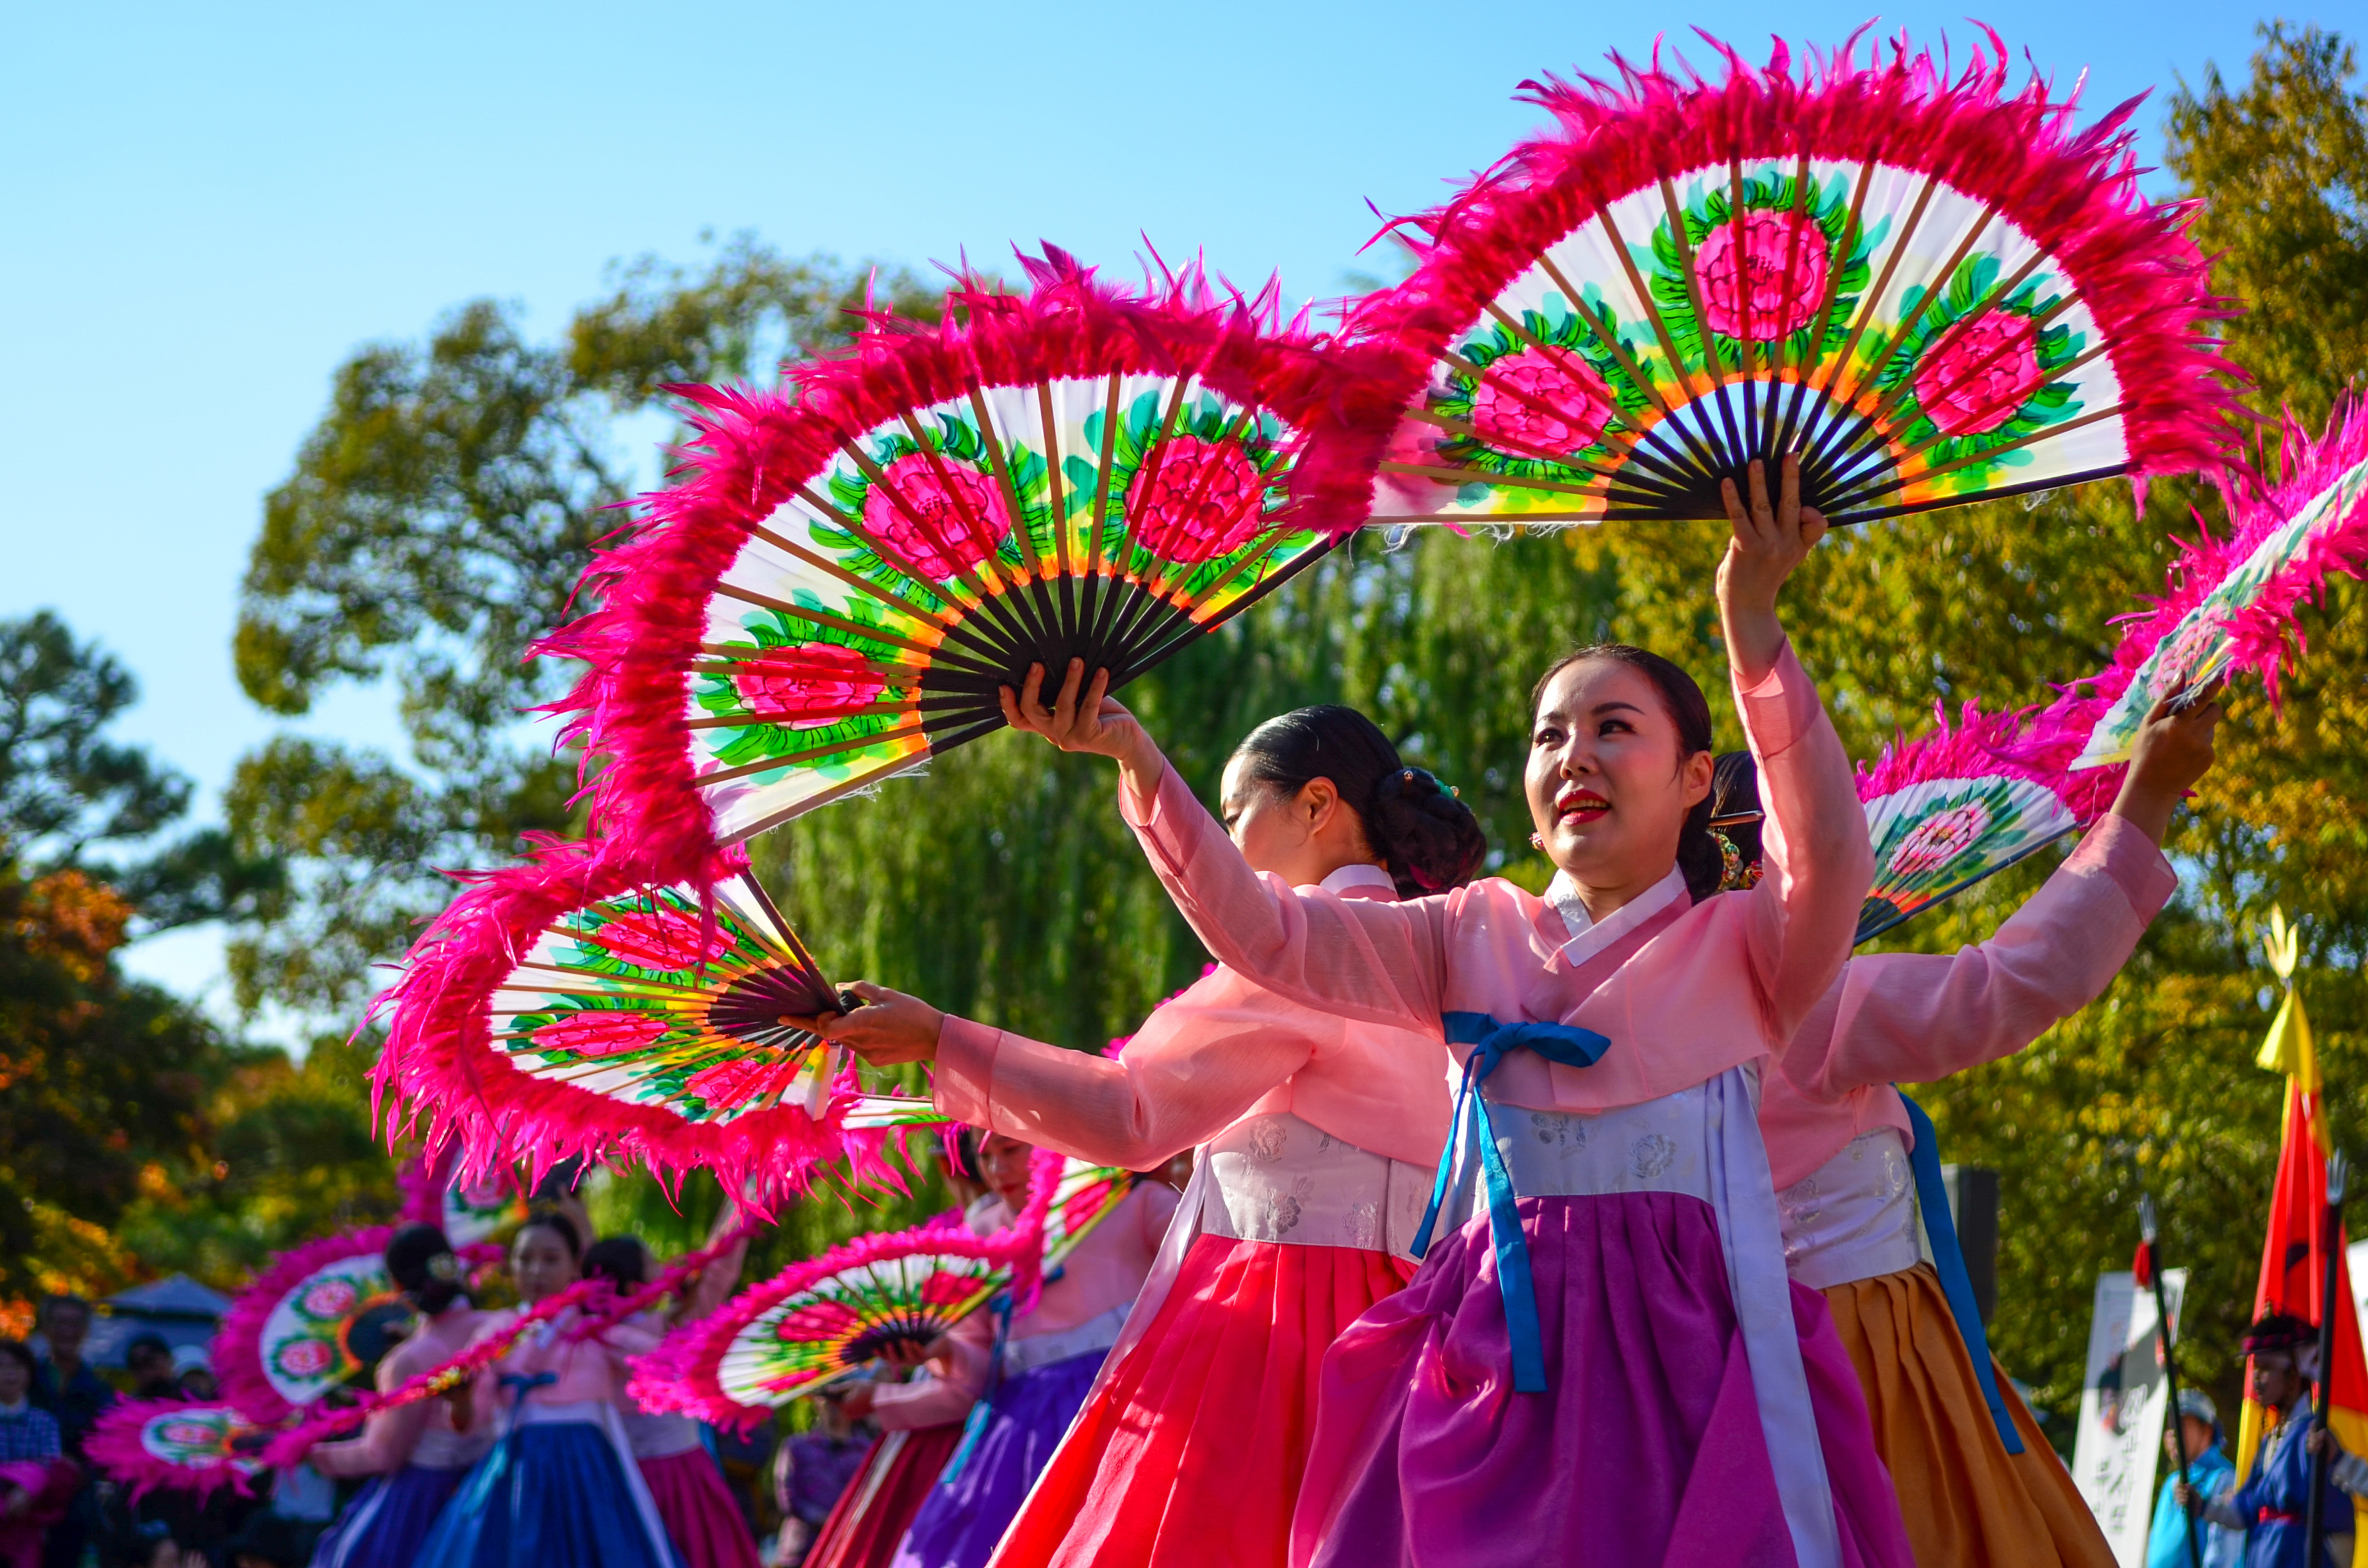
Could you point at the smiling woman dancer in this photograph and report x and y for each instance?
(1317, 1138)
(1839, 1139)
(1601, 1359)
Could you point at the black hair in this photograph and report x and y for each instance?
(140, 1342)
(15, 1351)
(1698, 856)
(621, 1260)
(66, 1298)
(421, 1261)
(1428, 840)
(558, 1223)
(1735, 809)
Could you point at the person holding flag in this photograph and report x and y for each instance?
(2274, 1500)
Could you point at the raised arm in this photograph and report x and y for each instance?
(1815, 851)
(1920, 1016)
(1198, 1063)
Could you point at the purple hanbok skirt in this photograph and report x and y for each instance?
(388, 1519)
(1647, 1448)
(963, 1518)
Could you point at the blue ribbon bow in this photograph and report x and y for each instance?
(1949, 1262)
(1492, 1042)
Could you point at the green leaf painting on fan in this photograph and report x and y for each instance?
(844, 1321)
(335, 1325)
(646, 999)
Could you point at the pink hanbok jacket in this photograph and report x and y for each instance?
(1218, 1053)
(1916, 1017)
(391, 1438)
(1725, 984)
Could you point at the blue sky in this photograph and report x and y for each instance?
(208, 208)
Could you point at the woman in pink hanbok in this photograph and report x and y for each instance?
(1978, 1482)
(1316, 1137)
(1601, 1359)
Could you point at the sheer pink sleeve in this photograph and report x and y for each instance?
(1919, 1017)
(934, 1401)
(1385, 963)
(1813, 841)
(1198, 1063)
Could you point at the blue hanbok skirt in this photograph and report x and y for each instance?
(559, 1491)
(389, 1518)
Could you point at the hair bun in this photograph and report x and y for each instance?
(1430, 838)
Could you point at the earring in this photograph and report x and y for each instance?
(1730, 860)
(1537, 841)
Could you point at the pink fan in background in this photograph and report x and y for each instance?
(200, 1448)
(1934, 290)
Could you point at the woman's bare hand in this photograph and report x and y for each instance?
(890, 1028)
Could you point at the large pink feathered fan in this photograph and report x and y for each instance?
(1933, 290)
(852, 566)
(2233, 604)
(565, 1007)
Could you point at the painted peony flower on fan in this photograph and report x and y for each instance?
(1939, 839)
(1982, 376)
(809, 687)
(1512, 405)
(602, 1032)
(330, 1299)
(938, 516)
(1765, 283)
(1195, 500)
(670, 940)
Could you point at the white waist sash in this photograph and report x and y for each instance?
(1700, 1142)
(1021, 1356)
(1277, 1178)
(1854, 1217)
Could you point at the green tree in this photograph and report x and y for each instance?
(433, 528)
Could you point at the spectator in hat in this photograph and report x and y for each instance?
(2273, 1506)
(193, 1371)
(2212, 1476)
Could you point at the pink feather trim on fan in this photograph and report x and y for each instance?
(1983, 744)
(750, 450)
(680, 1374)
(117, 1444)
(441, 1063)
(2073, 191)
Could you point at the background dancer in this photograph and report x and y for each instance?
(1035, 1371)
(1839, 1140)
(414, 1457)
(560, 1487)
(1318, 1134)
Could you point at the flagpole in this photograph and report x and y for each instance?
(2147, 1231)
(2331, 1224)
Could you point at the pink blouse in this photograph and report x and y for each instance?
(389, 1437)
(1222, 1052)
(1727, 981)
(1921, 1017)
(587, 1371)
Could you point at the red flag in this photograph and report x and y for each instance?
(2142, 1265)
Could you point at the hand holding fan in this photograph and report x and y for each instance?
(859, 564)
(565, 1008)
(825, 1320)
(1933, 292)
(2233, 604)
(200, 1448)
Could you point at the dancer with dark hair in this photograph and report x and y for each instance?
(559, 1484)
(1840, 1139)
(1601, 1358)
(684, 1479)
(920, 1420)
(413, 1457)
(1317, 1139)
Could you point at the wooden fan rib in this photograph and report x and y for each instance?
(855, 580)
(1173, 635)
(1714, 367)
(1825, 417)
(894, 674)
(1872, 301)
(1066, 619)
(1110, 417)
(667, 987)
(1981, 307)
(1671, 459)
(1511, 482)
(1146, 475)
(1466, 428)
(1033, 569)
(1852, 228)
(731, 590)
(793, 759)
(789, 941)
(1480, 373)
(887, 768)
(1701, 437)
(997, 589)
(981, 598)
(1855, 461)
(1562, 359)
(751, 721)
(1741, 235)
(1208, 476)
(1900, 482)
(1917, 311)
(1777, 346)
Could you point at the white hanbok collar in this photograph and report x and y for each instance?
(1358, 876)
(1588, 937)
